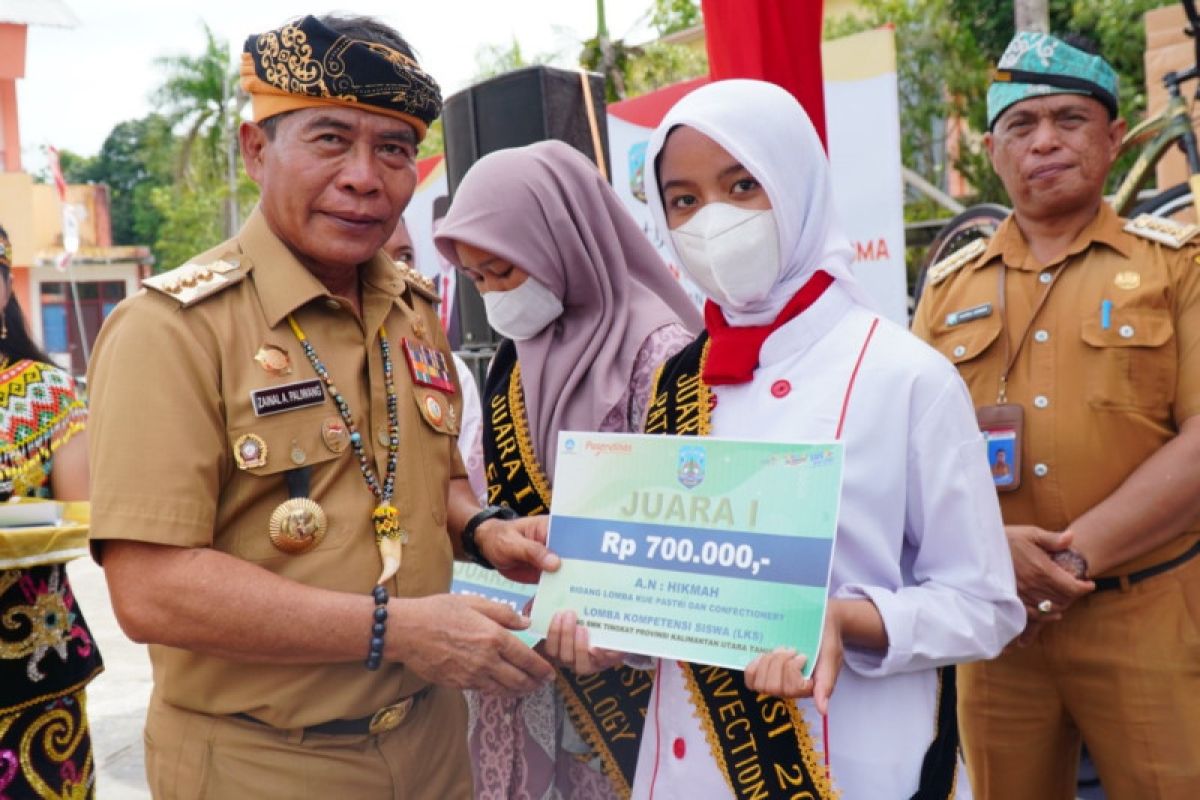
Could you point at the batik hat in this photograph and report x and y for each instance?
(1036, 64)
(306, 64)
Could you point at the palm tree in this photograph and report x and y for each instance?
(201, 95)
(607, 57)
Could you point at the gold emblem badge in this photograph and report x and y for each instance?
(274, 360)
(434, 408)
(298, 454)
(297, 525)
(419, 329)
(1127, 280)
(250, 451)
(335, 435)
(389, 718)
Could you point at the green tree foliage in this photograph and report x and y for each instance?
(660, 64)
(670, 16)
(434, 142)
(946, 51)
(200, 96)
(137, 156)
(630, 70)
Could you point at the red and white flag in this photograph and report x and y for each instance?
(70, 221)
(60, 182)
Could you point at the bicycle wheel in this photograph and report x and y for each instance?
(973, 223)
(1165, 203)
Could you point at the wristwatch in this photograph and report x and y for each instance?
(469, 545)
(1073, 562)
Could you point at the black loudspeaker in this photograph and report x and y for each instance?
(511, 110)
(519, 108)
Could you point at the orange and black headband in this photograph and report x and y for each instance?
(306, 64)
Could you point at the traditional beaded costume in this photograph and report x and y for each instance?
(46, 651)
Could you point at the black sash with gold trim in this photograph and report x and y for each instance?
(608, 708)
(762, 743)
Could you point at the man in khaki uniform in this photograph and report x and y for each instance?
(273, 435)
(1079, 336)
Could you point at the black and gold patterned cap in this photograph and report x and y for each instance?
(306, 64)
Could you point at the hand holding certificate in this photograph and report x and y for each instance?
(711, 551)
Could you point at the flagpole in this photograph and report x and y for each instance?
(87, 356)
(70, 238)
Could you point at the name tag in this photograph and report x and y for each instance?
(288, 397)
(968, 314)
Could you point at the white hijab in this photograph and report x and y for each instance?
(767, 131)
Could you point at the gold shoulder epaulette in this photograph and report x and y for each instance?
(1160, 229)
(955, 261)
(193, 282)
(419, 283)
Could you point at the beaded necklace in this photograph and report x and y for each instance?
(389, 536)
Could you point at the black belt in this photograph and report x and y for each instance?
(385, 719)
(1104, 584)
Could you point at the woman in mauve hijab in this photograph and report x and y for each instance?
(794, 351)
(588, 310)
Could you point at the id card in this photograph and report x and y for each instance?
(1003, 427)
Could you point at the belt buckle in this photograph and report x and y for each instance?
(389, 718)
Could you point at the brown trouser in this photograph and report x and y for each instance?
(192, 756)
(1122, 671)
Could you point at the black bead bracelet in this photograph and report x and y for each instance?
(378, 629)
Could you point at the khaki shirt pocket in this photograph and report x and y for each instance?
(969, 347)
(1131, 363)
(290, 441)
(439, 429)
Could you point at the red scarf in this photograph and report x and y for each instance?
(733, 353)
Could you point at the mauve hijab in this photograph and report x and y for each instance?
(545, 209)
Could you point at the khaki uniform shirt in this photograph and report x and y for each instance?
(171, 382)
(1098, 401)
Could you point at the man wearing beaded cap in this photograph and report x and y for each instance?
(277, 493)
(1078, 334)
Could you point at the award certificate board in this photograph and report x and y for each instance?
(487, 583)
(704, 550)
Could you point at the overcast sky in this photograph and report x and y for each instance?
(80, 82)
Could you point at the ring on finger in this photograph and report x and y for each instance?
(1045, 607)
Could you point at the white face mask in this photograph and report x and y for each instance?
(731, 253)
(523, 312)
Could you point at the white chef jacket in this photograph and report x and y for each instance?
(919, 534)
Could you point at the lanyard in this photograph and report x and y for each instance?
(1011, 353)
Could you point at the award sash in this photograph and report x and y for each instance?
(609, 707)
(762, 743)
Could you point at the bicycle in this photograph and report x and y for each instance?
(1153, 137)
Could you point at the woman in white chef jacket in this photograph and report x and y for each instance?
(793, 350)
